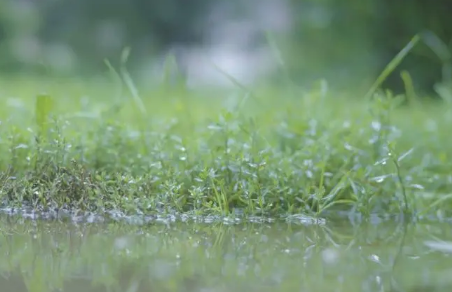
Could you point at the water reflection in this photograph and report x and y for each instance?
(336, 256)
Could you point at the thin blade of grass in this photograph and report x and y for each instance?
(338, 202)
(409, 88)
(237, 83)
(129, 82)
(171, 67)
(392, 66)
(278, 55)
(404, 155)
(43, 107)
(117, 78)
(436, 203)
(442, 51)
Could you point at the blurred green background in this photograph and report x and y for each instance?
(346, 42)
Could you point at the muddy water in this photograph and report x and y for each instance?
(49, 255)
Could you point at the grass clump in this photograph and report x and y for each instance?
(312, 154)
(266, 152)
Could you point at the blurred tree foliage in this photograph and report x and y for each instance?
(94, 30)
(334, 33)
(341, 37)
(360, 37)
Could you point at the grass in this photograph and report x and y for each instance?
(268, 155)
(263, 152)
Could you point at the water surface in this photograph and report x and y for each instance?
(50, 255)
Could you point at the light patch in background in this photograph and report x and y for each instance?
(59, 57)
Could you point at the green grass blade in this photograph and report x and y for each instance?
(438, 202)
(43, 107)
(409, 87)
(171, 70)
(278, 55)
(115, 76)
(237, 83)
(129, 82)
(392, 66)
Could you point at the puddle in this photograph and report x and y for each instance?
(50, 255)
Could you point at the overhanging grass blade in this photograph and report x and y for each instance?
(442, 51)
(129, 82)
(171, 70)
(238, 84)
(116, 76)
(392, 65)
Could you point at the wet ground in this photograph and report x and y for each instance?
(51, 255)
